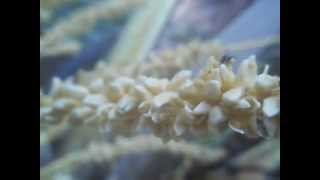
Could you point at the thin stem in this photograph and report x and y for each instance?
(141, 32)
(253, 44)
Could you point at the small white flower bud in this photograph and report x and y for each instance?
(271, 106)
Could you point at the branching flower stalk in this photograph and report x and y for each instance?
(82, 21)
(47, 8)
(164, 65)
(65, 48)
(185, 105)
(110, 152)
(53, 4)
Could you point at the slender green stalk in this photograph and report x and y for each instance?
(141, 32)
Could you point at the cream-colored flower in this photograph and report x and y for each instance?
(216, 116)
(271, 106)
(233, 96)
(247, 72)
(265, 84)
(202, 108)
(97, 86)
(68, 89)
(155, 86)
(227, 77)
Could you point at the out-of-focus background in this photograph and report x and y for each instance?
(76, 34)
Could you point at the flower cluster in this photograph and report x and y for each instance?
(188, 104)
(80, 22)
